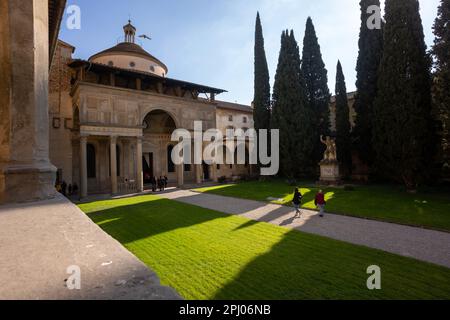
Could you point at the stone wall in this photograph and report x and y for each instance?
(233, 118)
(352, 119)
(61, 112)
(112, 106)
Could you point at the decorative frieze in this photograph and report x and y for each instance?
(111, 131)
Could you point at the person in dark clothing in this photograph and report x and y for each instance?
(64, 188)
(70, 190)
(75, 189)
(297, 201)
(162, 183)
(153, 181)
(320, 202)
(166, 182)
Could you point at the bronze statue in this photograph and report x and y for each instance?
(330, 152)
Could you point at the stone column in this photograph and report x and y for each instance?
(198, 173)
(113, 164)
(83, 167)
(214, 172)
(180, 175)
(126, 159)
(26, 173)
(139, 169)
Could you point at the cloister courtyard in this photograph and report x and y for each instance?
(229, 168)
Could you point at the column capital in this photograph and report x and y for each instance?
(113, 139)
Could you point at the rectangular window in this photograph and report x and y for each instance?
(56, 123)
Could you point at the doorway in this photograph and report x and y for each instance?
(206, 175)
(148, 168)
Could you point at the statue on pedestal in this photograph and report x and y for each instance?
(331, 152)
(329, 166)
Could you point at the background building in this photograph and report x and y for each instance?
(112, 116)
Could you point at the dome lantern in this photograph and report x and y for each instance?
(130, 32)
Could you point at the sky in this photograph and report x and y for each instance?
(212, 42)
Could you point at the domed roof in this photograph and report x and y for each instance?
(129, 47)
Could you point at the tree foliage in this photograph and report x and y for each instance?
(317, 91)
(343, 128)
(291, 112)
(441, 83)
(370, 53)
(403, 126)
(261, 99)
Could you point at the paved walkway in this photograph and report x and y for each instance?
(421, 244)
(39, 241)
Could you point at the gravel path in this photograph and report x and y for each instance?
(426, 245)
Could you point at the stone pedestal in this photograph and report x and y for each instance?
(329, 173)
(23, 182)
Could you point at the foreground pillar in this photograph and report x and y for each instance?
(139, 168)
(26, 173)
(113, 164)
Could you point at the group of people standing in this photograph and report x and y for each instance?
(66, 190)
(159, 183)
(319, 202)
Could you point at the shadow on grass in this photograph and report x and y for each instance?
(303, 266)
(248, 224)
(129, 223)
(238, 208)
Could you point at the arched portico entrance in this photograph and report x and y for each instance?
(158, 126)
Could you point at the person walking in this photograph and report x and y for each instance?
(166, 182)
(320, 203)
(297, 201)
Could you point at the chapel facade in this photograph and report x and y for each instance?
(112, 117)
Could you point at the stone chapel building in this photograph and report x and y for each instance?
(111, 118)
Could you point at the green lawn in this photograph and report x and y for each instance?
(429, 209)
(205, 254)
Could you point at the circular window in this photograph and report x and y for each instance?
(110, 63)
(152, 68)
(132, 64)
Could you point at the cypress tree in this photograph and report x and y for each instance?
(343, 128)
(291, 111)
(441, 83)
(403, 122)
(262, 81)
(370, 53)
(317, 91)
